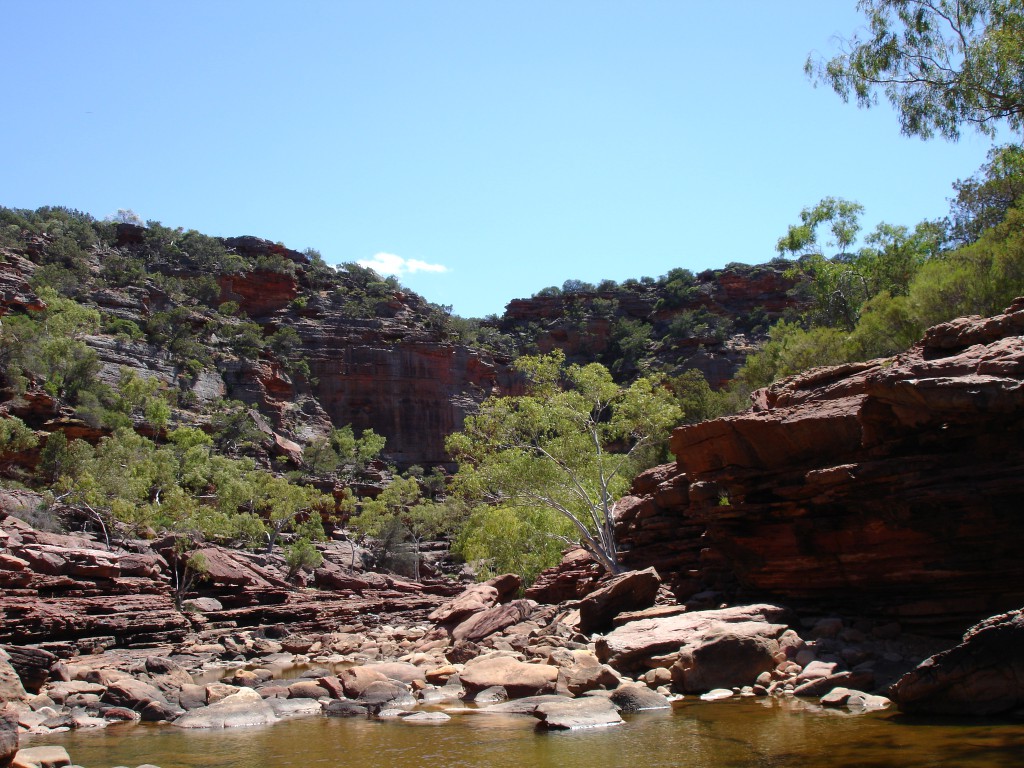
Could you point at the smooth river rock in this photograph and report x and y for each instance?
(516, 677)
(246, 707)
(573, 714)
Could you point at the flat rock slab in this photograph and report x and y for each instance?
(525, 706)
(516, 677)
(41, 757)
(295, 707)
(427, 717)
(573, 714)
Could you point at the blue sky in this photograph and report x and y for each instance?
(487, 149)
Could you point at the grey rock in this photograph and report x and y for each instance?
(573, 714)
(637, 698)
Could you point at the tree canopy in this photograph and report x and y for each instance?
(942, 64)
(571, 445)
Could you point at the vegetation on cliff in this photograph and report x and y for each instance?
(156, 378)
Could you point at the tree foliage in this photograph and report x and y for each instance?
(571, 445)
(984, 200)
(942, 64)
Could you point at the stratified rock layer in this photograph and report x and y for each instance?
(890, 488)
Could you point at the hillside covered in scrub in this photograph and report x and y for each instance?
(250, 385)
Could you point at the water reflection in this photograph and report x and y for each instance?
(764, 734)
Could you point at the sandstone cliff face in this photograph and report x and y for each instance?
(376, 364)
(889, 488)
(388, 373)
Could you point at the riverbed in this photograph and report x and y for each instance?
(736, 733)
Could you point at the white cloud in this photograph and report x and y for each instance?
(390, 264)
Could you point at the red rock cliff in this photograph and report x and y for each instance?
(891, 487)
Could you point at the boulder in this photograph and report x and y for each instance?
(32, 665)
(583, 672)
(132, 694)
(475, 598)
(507, 585)
(638, 698)
(983, 675)
(246, 707)
(493, 695)
(726, 656)
(159, 711)
(399, 670)
(8, 734)
(307, 689)
(822, 685)
(11, 688)
(516, 677)
(494, 619)
(634, 646)
(633, 590)
(345, 708)
(574, 577)
(331, 576)
(203, 605)
(356, 680)
(42, 757)
(386, 694)
(295, 707)
(434, 718)
(525, 706)
(573, 714)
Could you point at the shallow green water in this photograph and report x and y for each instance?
(702, 735)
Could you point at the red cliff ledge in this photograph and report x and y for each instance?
(890, 488)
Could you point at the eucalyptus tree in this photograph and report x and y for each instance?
(571, 444)
(942, 64)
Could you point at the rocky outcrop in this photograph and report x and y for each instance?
(15, 292)
(983, 675)
(574, 577)
(70, 593)
(886, 488)
(709, 322)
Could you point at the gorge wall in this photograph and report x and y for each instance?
(890, 488)
(707, 322)
(365, 352)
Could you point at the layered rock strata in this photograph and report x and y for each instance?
(889, 488)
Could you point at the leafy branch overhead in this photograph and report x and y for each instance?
(941, 64)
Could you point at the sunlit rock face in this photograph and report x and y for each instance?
(890, 488)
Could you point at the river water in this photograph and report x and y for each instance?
(763, 733)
